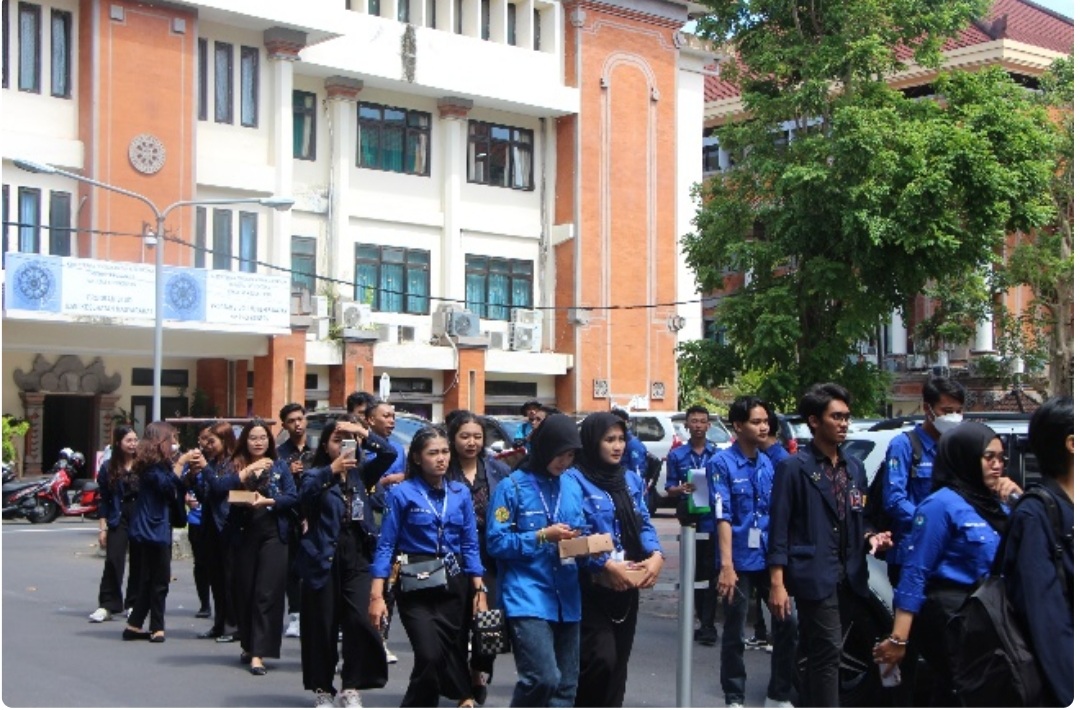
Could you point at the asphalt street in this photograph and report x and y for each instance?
(52, 656)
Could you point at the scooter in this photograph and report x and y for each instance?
(64, 493)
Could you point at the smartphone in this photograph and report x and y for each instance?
(348, 448)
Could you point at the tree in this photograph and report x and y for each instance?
(846, 197)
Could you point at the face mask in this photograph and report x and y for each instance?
(175, 448)
(945, 422)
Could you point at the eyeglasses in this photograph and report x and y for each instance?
(258, 439)
(991, 455)
(840, 416)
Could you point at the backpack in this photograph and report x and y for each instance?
(994, 662)
(874, 512)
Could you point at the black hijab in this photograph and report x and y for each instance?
(611, 478)
(556, 435)
(958, 465)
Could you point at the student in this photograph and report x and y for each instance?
(119, 486)
(531, 511)
(217, 446)
(292, 451)
(818, 542)
(195, 530)
(429, 518)
(614, 504)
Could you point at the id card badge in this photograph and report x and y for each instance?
(357, 507)
(618, 556)
(754, 541)
(855, 498)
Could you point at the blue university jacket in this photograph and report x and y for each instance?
(600, 515)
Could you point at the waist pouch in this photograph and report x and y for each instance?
(417, 576)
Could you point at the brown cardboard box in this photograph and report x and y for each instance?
(242, 497)
(634, 575)
(589, 545)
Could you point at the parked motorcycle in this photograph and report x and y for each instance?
(61, 493)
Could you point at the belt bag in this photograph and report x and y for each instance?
(415, 576)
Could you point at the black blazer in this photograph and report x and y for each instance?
(805, 530)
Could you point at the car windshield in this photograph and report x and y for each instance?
(405, 428)
(858, 448)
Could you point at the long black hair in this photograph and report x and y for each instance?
(453, 425)
(416, 447)
(121, 467)
(322, 456)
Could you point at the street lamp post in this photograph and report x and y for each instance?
(276, 202)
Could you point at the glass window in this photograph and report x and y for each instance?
(485, 19)
(303, 263)
(223, 82)
(203, 83)
(249, 86)
(29, 220)
(374, 7)
(249, 242)
(303, 125)
(200, 238)
(60, 223)
(61, 54)
(459, 11)
(536, 30)
(222, 240)
(6, 32)
(511, 24)
(494, 285)
(403, 10)
(5, 217)
(393, 139)
(29, 47)
(393, 279)
(500, 155)
(431, 14)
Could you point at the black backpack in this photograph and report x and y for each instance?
(875, 513)
(994, 663)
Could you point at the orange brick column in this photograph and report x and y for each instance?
(467, 391)
(240, 389)
(212, 377)
(355, 372)
(279, 375)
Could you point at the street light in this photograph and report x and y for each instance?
(275, 202)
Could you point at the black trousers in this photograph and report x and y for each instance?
(154, 573)
(261, 559)
(608, 624)
(119, 550)
(821, 637)
(342, 602)
(705, 570)
(197, 538)
(219, 565)
(434, 623)
(928, 632)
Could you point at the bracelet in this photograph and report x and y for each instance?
(896, 641)
(541, 536)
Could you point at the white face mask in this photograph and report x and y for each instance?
(175, 448)
(945, 422)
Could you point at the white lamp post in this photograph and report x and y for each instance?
(278, 203)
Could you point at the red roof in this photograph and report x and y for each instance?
(1018, 20)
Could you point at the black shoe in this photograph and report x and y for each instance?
(159, 638)
(245, 657)
(697, 633)
(210, 634)
(203, 613)
(708, 636)
(479, 693)
(258, 670)
(130, 635)
(225, 638)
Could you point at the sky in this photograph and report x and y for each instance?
(1065, 7)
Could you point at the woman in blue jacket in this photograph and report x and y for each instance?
(151, 531)
(217, 446)
(261, 548)
(531, 511)
(954, 536)
(429, 518)
(614, 504)
(119, 486)
(333, 562)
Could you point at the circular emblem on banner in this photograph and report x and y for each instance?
(146, 153)
(182, 293)
(33, 282)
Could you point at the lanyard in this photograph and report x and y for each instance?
(699, 463)
(551, 519)
(617, 529)
(439, 517)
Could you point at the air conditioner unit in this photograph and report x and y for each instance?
(406, 334)
(497, 340)
(320, 307)
(352, 315)
(525, 337)
(322, 328)
(387, 333)
(526, 316)
(452, 320)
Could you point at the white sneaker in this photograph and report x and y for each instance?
(349, 699)
(770, 703)
(323, 700)
(100, 615)
(293, 630)
(390, 657)
(735, 705)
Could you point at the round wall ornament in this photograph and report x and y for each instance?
(146, 153)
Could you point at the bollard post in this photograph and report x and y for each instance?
(687, 549)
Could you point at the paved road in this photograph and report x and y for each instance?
(53, 657)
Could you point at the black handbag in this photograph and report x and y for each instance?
(178, 511)
(416, 576)
(489, 633)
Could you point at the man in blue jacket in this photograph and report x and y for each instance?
(818, 542)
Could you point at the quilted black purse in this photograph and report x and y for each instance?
(415, 576)
(489, 633)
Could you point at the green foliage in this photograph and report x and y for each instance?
(961, 302)
(865, 195)
(14, 428)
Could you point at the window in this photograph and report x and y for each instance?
(459, 11)
(60, 223)
(303, 125)
(249, 86)
(500, 155)
(403, 10)
(494, 285)
(431, 14)
(536, 30)
(200, 238)
(203, 82)
(394, 139)
(485, 19)
(303, 263)
(5, 217)
(144, 377)
(249, 241)
(223, 82)
(222, 240)
(29, 220)
(6, 47)
(61, 54)
(393, 279)
(374, 7)
(710, 158)
(511, 24)
(29, 47)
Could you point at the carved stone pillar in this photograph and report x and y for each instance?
(106, 411)
(34, 404)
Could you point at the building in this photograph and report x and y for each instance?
(481, 187)
(1020, 36)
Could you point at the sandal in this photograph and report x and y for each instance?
(157, 637)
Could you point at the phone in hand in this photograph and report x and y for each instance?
(348, 448)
